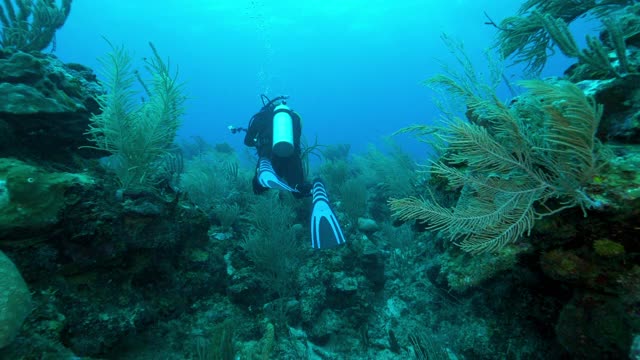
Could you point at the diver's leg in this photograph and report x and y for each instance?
(257, 188)
(291, 170)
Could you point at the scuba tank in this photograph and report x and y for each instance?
(282, 131)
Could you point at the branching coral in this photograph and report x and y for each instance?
(34, 25)
(596, 55)
(514, 169)
(137, 135)
(272, 244)
(529, 35)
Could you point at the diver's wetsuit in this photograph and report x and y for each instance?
(260, 135)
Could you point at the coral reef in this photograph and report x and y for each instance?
(591, 259)
(183, 261)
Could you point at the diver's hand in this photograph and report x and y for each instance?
(235, 130)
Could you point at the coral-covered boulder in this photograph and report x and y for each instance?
(32, 197)
(620, 99)
(45, 107)
(595, 326)
(15, 300)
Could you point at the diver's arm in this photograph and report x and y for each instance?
(255, 125)
(250, 138)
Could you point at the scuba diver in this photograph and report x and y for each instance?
(275, 132)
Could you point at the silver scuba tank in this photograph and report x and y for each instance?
(282, 131)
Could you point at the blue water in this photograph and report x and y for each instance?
(354, 69)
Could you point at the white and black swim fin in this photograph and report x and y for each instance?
(325, 229)
(267, 177)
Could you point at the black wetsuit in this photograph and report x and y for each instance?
(260, 135)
